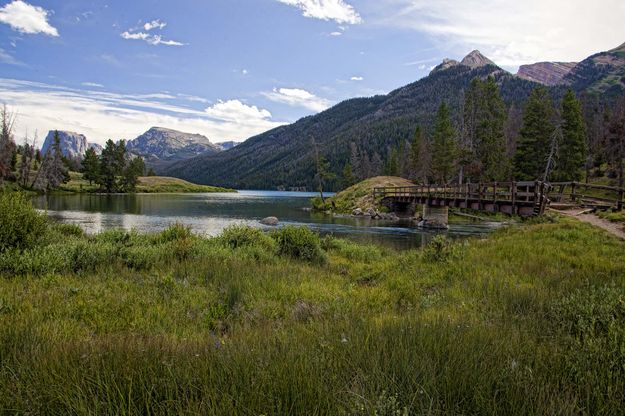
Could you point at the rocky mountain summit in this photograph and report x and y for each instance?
(73, 145)
(546, 73)
(159, 144)
(475, 59)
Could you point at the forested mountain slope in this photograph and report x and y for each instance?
(284, 157)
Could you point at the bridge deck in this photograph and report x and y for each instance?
(523, 198)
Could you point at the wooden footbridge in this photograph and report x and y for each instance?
(515, 198)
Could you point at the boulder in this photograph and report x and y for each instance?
(357, 212)
(432, 225)
(371, 213)
(271, 221)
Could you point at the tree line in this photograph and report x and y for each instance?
(114, 170)
(546, 142)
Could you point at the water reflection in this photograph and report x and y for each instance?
(209, 214)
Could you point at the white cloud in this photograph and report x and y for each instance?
(151, 39)
(92, 84)
(336, 33)
(26, 18)
(103, 115)
(336, 10)
(154, 24)
(235, 110)
(8, 59)
(513, 33)
(296, 97)
(357, 78)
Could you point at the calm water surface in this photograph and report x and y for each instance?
(209, 214)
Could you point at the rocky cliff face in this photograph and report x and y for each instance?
(602, 73)
(446, 64)
(160, 144)
(546, 73)
(73, 145)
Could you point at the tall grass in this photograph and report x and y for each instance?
(527, 321)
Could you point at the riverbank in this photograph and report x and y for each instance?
(146, 184)
(530, 317)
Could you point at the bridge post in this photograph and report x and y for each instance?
(435, 217)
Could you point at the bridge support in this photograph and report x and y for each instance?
(435, 217)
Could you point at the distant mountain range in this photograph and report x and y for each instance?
(284, 157)
(160, 146)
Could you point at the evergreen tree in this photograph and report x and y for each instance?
(392, 165)
(109, 167)
(53, 172)
(91, 166)
(533, 145)
(7, 145)
(355, 162)
(131, 174)
(572, 149)
(376, 165)
(615, 141)
(420, 157)
(348, 177)
(490, 147)
(151, 172)
(26, 162)
(444, 147)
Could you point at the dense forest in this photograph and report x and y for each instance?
(363, 137)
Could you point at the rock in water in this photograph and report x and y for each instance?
(357, 212)
(271, 221)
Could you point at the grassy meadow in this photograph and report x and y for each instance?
(529, 320)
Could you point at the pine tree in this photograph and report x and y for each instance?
(392, 165)
(109, 167)
(490, 148)
(355, 162)
(444, 147)
(348, 177)
(28, 154)
(7, 145)
(420, 157)
(131, 173)
(53, 172)
(572, 149)
(615, 141)
(91, 166)
(534, 141)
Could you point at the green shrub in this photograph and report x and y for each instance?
(69, 230)
(176, 231)
(88, 256)
(21, 226)
(299, 243)
(319, 205)
(441, 249)
(237, 236)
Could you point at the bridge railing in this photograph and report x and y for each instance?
(588, 194)
(526, 193)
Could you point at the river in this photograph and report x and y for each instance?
(209, 214)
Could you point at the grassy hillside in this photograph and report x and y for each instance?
(360, 195)
(528, 320)
(147, 184)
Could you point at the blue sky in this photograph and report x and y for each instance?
(233, 68)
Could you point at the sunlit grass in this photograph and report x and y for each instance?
(528, 320)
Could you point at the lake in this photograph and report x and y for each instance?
(209, 214)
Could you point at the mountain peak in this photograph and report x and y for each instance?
(446, 64)
(475, 59)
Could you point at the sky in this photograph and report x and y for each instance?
(230, 69)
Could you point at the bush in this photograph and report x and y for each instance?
(237, 236)
(175, 232)
(69, 230)
(299, 243)
(441, 249)
(21, 226)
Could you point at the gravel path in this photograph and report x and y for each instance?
(584, 216)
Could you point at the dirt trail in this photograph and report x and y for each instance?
(586, 216)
